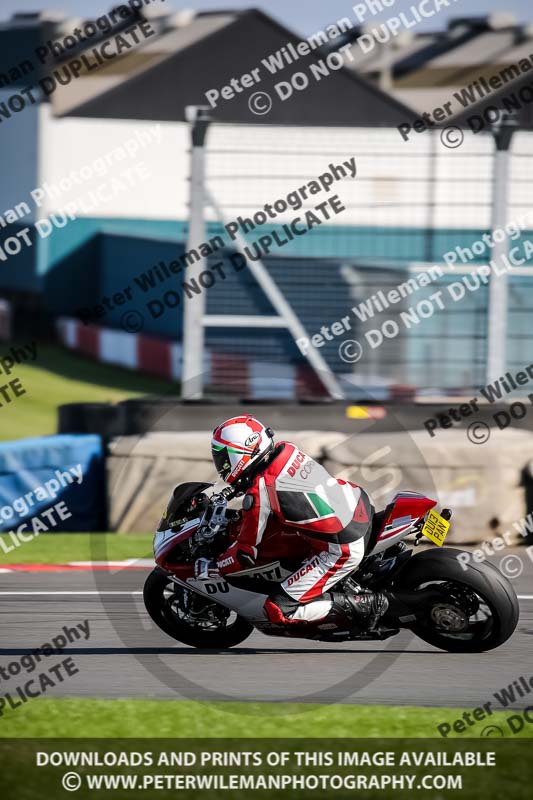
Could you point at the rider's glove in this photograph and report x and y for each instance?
(205, 569)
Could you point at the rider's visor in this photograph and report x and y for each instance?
(221, 461)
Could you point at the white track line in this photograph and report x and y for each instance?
(128, 594)
(96, 594)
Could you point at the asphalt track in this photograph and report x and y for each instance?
(127, 656)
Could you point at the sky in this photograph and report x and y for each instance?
(302, 16)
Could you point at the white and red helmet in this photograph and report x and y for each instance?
(238, 444)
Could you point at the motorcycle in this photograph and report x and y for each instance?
(452, 606)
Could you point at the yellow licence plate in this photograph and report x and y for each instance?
(436, 528)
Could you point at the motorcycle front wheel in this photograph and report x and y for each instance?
(190, 618)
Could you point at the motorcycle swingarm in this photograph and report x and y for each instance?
(406, 608)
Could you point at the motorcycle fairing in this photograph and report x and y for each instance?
(404, 511)
(248, 604)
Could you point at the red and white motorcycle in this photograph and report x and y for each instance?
(457, 608)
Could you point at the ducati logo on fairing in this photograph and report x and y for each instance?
(268, 574)
(214, 588)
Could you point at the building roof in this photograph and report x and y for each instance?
(164, 75)
(431, 70)
(174, 35)
(383, 58)
(510, 101)
(466, 42)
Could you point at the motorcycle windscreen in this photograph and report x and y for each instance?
(187, 499)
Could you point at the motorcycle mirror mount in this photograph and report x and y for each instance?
(229, 492)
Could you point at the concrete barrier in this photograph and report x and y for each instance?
(480, 483)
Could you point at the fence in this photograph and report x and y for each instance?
(409, 204)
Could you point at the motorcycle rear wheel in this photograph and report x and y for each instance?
(495, 594)
(162, 601)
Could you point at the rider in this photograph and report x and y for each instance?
(285, 488)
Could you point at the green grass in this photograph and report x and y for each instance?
(186, 719)
(58, 376)
(70, 727)
(60, 548)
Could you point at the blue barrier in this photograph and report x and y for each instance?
(53, 483)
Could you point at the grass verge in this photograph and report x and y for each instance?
(70, 718)
(58, 376)
(60, 548)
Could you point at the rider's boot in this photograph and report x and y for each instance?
(364, 610)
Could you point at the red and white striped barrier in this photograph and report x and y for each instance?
(145, 353)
